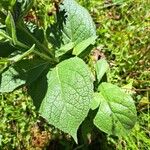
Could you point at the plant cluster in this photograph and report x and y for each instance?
(49, 59)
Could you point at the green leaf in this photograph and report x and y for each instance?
(96, 101)
(64, 49)
(79, 48)
(11, 30)
(67, 101)
(117, 112)
(74, 27)
(10, 26)
(19, 57)
(101, 67)
(22, 72)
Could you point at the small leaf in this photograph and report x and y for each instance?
(24, 71)
(64, 49)
(67, 101)
(96, 101)
(101, 67)
(21, 56)
(117, 112)
(144, 103)
(10, 26)
(83, 45)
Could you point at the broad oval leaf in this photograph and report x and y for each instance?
(67, 101)
(117, 112)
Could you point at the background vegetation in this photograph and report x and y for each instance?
(123, 29)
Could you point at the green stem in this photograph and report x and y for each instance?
(2, 33)
(31, 50)
(45, 57)
(21, 45)
(18, 58)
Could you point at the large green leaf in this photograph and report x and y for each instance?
(24, 71)
(75, 27)
(67, 101)
(117, 112)
(78, 25)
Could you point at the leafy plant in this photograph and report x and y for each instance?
(50, 62)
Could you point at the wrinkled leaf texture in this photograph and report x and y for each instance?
(117, 112)
(67, 101)
(74, 29)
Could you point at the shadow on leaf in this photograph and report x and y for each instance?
(37, 90)
(54, 32)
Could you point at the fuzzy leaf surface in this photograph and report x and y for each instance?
(75, 27)
(117, 112)
(67, 101)
(96, 101)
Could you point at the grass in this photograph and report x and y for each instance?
(17, 117)
(123, 38)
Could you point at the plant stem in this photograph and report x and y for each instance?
(31, 50)
(3, 34)
(18, 58)
(45, 57)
